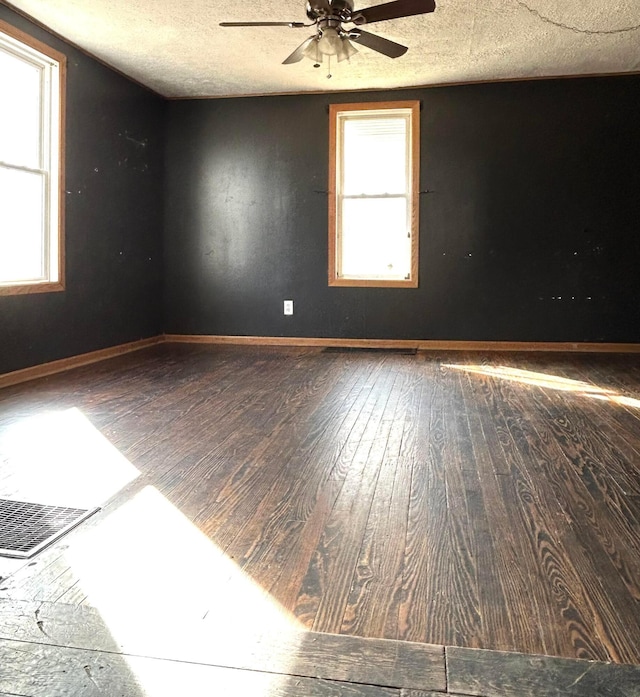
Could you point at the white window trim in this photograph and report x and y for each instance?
(51, 164)
(335, 110)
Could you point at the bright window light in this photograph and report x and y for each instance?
(30, 164)
(373, 216)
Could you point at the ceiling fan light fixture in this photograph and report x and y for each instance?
(347, 50)
(312, 51)
(330, 42)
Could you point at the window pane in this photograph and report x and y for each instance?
(374, 239)
(20, 112)
(21, 225)
(374, 156)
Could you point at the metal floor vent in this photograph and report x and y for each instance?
(367, 349)
(26, 528)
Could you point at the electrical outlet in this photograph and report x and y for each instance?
(288, 307)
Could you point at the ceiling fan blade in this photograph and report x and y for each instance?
(377, 43)
(298, 54)
(393, 10)
(293, 25)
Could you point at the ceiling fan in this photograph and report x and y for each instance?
(332, 40)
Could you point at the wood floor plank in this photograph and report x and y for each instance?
(535, 530)
(588, 408)
(287, 652)
(618, 413)
(332, 568)
(447, 551)
(591, 477)
(286, 439)
(424, 516)
(302, 471)
(584, 497)
(593, 539)
(284, 530)
(214, 406)
(37, 580)
(496, 674)
(497, 557)
(516, 568)
(567, 602)
(378, 577)
(466, 514)
(312, 480)
(36, 670)
(403, 487)
(572, 426)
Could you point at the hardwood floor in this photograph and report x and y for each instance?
(468, 500)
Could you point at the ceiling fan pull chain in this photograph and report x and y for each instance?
(329, 67)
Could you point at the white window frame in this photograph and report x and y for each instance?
(52, 65)
(338, 113)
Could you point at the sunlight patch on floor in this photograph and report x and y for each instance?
(545, 380)
(60, 458)
(159, 583)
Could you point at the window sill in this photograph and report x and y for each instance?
(27, 288)
(371, 283)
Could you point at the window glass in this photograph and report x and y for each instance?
(20, 128)
(374, 156)
(375, 243)
(21, 225)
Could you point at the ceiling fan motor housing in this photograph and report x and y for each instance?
(339, 9)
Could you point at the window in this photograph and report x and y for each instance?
(373, 194)
(31, 123)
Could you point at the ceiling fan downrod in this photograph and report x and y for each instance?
(338, 10)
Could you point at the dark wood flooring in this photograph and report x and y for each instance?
(466, 500)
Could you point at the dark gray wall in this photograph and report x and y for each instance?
(531, 231)
(114, 178)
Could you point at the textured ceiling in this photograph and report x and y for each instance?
(176, 47)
